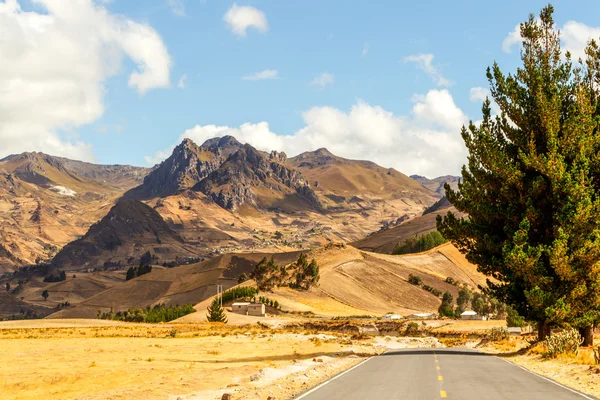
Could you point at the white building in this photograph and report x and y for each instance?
(422, 316)
(392, 317)
(472, 315)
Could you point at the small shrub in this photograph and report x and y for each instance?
(412, 328)
(565, 342)
(173, 333)
(415, 280)
(498, 334)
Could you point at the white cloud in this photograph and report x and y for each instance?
(182, 81)
(424, 62)
(512, 39)
(240, 18)
(323, 80)
(262, 75)
(365, 49)
(479, 93)
(427, 141)
(53, 67)
(574, 38)
(177, 7)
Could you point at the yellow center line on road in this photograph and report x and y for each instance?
(440, 378)
(443, 394)
(437, 367)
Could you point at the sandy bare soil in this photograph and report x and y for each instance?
(100, 360)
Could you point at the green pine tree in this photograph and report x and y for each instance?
(532, 184)
(216, 313)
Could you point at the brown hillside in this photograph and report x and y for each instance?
(353, 282)
(332, 174)
(181, 285)
(130, 229)
(386, 240)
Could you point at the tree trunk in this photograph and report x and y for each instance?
(543, 330)
(587, 334)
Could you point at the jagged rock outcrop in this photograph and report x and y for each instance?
(186, 166)
(233, 183)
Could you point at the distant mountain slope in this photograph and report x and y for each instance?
(47, 201)
(347, 178)
(437, 184)
(129, 229)
(122, 176)
(441, 204)
(386, 240)
(249, 177)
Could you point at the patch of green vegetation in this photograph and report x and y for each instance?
(420, 243)
(158, 313)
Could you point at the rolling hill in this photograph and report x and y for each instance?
(384, 241)
(185, 284)
(354, 282)
(130, 229)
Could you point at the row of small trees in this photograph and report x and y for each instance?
(158, 313)
(420, 243)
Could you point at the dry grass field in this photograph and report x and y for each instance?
(89, 359)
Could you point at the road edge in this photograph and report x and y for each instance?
(319, 386)
(582, 394)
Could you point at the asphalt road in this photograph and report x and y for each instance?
(439, 373)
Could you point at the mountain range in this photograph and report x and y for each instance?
(219, 196)
(221, 203)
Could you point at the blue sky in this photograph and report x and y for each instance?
(405, 115)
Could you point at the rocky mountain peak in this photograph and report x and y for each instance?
(222, 146)
(187, 165)
(278, 156)
(233, 184)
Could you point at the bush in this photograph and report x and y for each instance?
(451, 280)
(243, 278)
(565, 342)
(415, 280)
(412, 328)
(498, 334)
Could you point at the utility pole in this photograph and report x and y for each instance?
(220, 294)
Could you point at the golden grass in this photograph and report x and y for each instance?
(140, 361)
